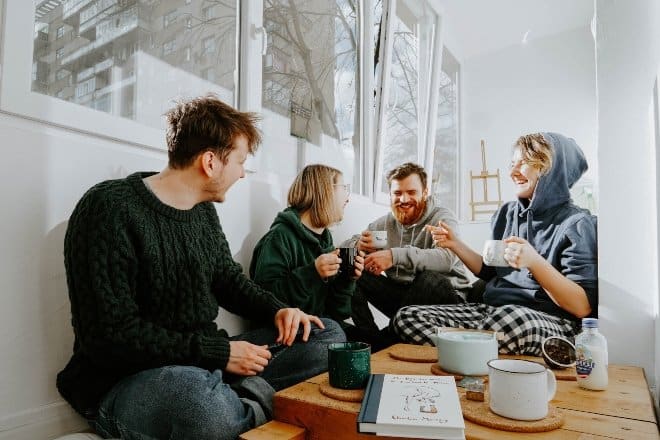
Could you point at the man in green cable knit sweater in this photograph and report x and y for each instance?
(147, 267)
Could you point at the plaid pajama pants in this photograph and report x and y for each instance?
(521, 329)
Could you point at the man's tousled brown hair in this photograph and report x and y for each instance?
(405, 170)
(204, 124)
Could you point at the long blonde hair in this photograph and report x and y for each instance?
(313, 191)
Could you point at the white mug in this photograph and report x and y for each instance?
(520, 389)
(493, 253)
(379, 239)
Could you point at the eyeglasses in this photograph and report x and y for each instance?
(345, 186)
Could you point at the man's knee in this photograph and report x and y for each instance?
(177, 402)
(331, 333)
(212, 410)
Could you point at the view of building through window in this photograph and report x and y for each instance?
(310, 76)
(129, 57)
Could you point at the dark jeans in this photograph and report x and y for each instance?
(185, 402)
(388, 296)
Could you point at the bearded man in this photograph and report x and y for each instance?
(410, 269)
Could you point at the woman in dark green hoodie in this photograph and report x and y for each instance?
(296, 259)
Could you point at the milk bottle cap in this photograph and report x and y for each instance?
(589, 323)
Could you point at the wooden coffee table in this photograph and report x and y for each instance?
(623, 411)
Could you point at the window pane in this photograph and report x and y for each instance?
(401, 125)
(310, 84)
(129, 58)
(445, 167)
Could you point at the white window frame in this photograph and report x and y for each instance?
(17, 97)
(457, 72)
(253, 43)
(429, 108)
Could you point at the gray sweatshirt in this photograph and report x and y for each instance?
(413, 250)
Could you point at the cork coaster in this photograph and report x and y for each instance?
(480, 413)
(339, 394)
(435, 369)
(414, 353)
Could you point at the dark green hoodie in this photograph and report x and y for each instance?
(283, 262)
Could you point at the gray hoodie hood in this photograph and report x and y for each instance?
(568, 165)
(553, 188)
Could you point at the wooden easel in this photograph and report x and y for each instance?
(485, 205)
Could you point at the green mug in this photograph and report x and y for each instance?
(349, 364)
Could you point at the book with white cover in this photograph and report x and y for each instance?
(403, 405)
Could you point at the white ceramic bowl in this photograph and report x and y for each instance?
(465, 352)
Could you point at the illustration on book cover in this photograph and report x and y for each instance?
(418, 399)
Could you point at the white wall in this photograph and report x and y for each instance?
(628, 51)
(45, 171)
(548, 84)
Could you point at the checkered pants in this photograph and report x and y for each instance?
(520, 329)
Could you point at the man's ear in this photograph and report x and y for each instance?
(425, 194)
(207, 163)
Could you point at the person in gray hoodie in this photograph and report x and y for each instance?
(551, 277)
(410, 269)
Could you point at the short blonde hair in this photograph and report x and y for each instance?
(536, 151)
(313, 191)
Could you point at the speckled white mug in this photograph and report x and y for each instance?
(520, 389)
(493, 253)
(379, 239)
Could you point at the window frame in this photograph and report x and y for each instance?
(454, 69)
(17, 97)
(253, 43)
(425, 152)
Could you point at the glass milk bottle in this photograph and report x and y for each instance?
(591, 353)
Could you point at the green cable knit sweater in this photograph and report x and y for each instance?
(145, 281)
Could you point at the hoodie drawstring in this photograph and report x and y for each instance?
(412, 240)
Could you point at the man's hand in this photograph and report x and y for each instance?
(327, 265)
(379, 261)
(287, 322)
(366, 242)
(443, 235)
(246, 359)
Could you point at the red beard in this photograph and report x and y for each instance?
(409, 217)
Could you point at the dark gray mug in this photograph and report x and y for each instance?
(349, 364)
(347, 266)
